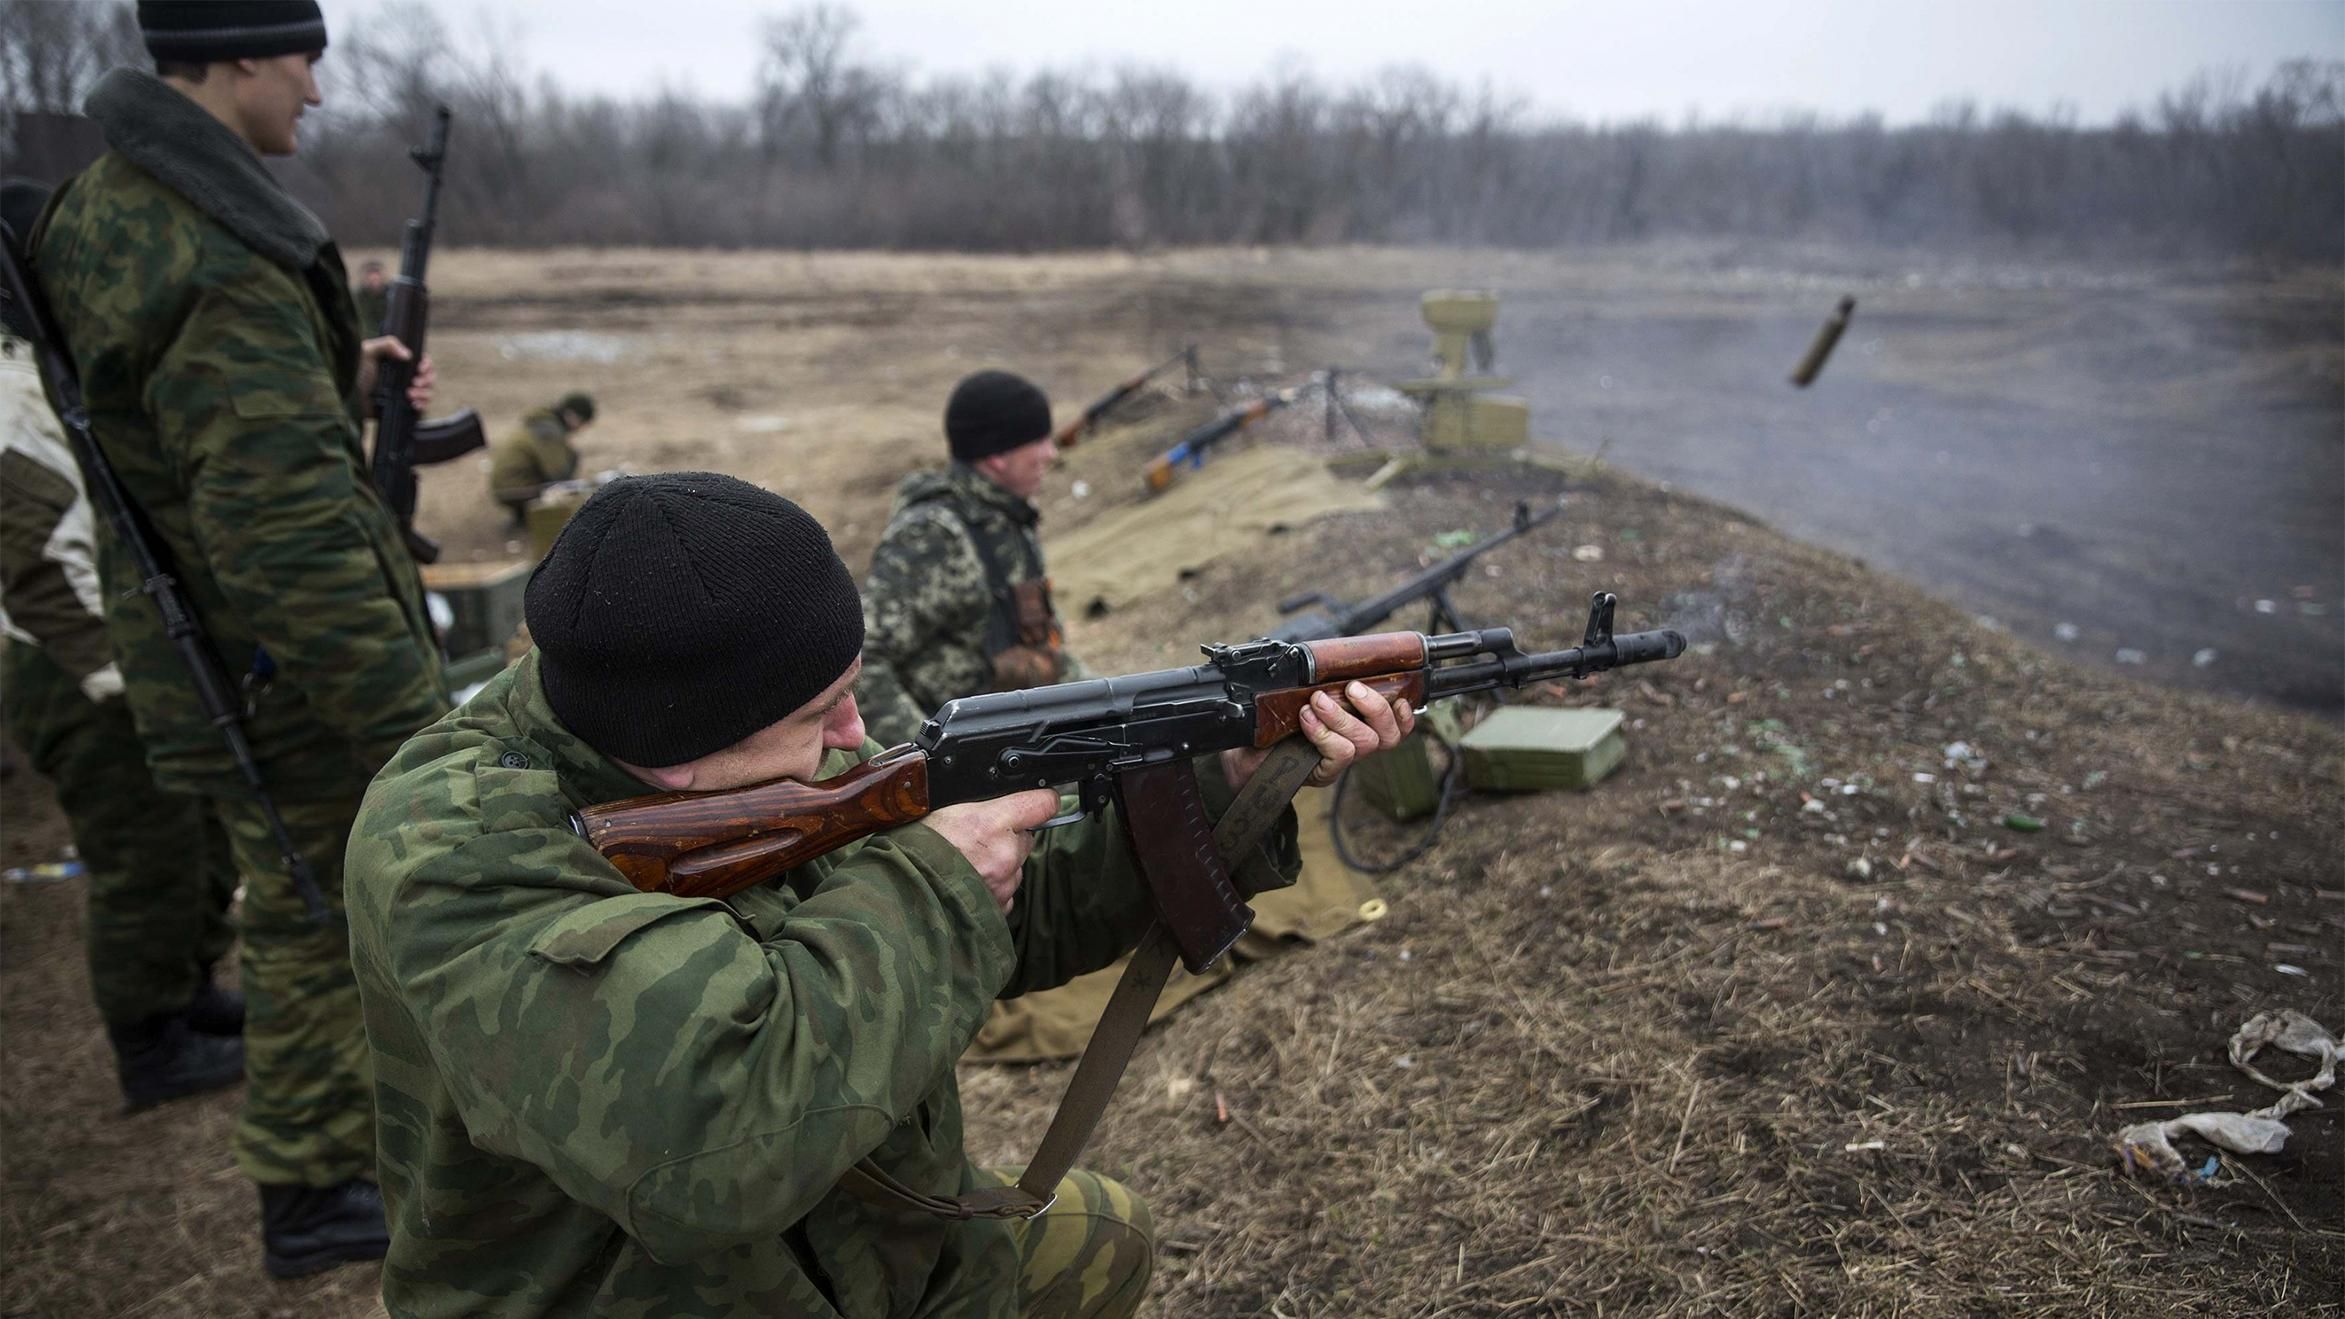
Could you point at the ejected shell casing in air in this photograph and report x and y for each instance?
(1811, 365)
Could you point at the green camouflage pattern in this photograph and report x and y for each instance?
(528, 458)
(158, 874)
(1089, 1256)
(308, 1115)
(926, 603)
(49, 594)
(218, 354)
(595, 1100)
(221, 387)
(39, 602)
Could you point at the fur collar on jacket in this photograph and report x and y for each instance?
(198, 157)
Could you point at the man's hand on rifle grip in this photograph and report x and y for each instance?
(1370, 725)
(996, 836)
(371, 353)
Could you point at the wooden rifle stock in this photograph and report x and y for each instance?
(715, 844)
(1071, 434)
(1391, 663)
(1279, 715)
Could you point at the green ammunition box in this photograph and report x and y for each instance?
(1524, 748)
(485, 599)
(1405, 783)
(1402, 782)
(548, 514)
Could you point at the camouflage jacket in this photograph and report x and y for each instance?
(210, 321)
(928, 602)
(596, 1100)
(48, 557)
(525, 460)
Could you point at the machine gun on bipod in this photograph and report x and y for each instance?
(1334, 618)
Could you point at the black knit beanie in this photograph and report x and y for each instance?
(579, 406)
(994, 412)
(677, 614)
(207, 31)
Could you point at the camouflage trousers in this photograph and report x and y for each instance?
(308, 1115)
(1090, 1256)
(159, 878)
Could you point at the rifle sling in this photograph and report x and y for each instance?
(1239, 834)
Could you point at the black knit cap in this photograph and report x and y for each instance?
(580, 406)
(677, 614)
(994, 412)
(207, 31)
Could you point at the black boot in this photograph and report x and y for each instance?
(305, 1229)
(160, 1059)
(216, 1011)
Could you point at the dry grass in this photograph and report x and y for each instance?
(1600, 1058)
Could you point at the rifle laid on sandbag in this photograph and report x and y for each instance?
(157, 578)
(1334, 618)
(1190, 452)
(1131, 739)
(403, 440)
(1071, 434)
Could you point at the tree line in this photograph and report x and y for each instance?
(835, 149)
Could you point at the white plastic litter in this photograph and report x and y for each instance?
(2148, 1147)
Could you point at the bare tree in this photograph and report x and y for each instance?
(835, 150)
(51, 53)
(806, 84)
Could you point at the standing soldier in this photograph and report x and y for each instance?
(210, 321)
(160, 878)
(957, 602)
(538, 455)
(372, 296)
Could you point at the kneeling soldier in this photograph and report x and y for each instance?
(596, 1098)
(540, 454)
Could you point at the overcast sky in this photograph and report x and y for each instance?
(1587, 59)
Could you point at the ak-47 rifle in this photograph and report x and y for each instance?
(1133, 738)
(213, 690)
(1334, 618)
(1103, 736)
(1071, 434)
(403, 440)
(1190, 452)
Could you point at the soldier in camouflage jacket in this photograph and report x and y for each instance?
(160, 878)
(958, 601)
(600, 1100)
(210, 321)
(540, 453)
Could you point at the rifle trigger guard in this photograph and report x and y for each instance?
(1090, 799)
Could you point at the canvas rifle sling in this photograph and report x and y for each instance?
(1239, 835)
